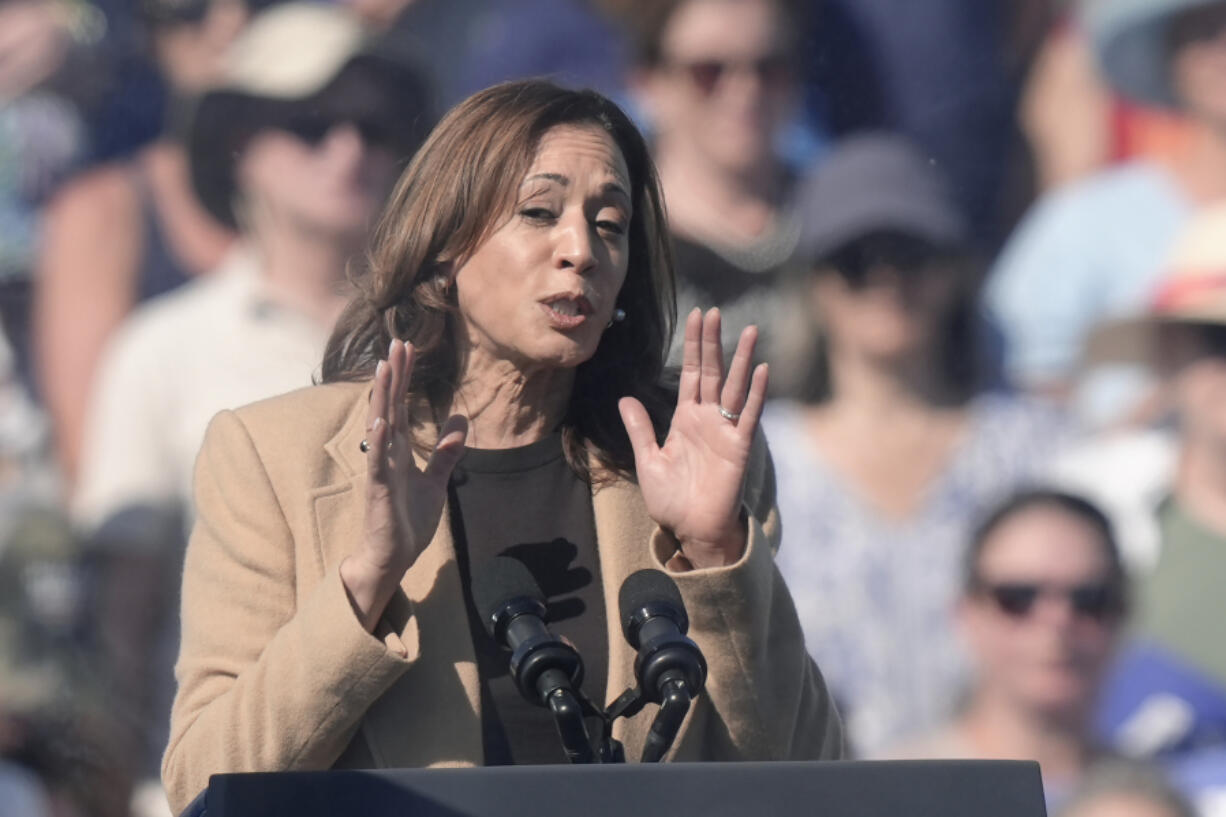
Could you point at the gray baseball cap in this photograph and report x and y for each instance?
(871, 183)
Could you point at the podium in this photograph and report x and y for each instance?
(930, 788)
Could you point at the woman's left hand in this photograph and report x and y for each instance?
(692, 484)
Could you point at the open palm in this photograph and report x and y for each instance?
(692, 484)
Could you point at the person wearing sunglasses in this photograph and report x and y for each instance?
(294, 150)
(715, 80)
(895, 446)
(1166, 487)
(1042, 607)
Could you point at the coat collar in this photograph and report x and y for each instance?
(431, 610)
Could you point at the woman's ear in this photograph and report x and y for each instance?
(444, 273)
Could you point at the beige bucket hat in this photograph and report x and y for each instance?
(296, 66)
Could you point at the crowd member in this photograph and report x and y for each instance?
(520, 289)
(715, 79)
(1041, 609)
(1093, 249)
(895, 451)
(1168, 695)
(296, 155)
(129, 229)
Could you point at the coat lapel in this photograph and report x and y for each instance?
(439, 695)
(623, 534)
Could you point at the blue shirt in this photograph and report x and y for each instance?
(1086, 252)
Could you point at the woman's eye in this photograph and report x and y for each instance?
(537, 214)
(613, 227)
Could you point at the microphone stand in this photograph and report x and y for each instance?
(568, 717)
(667, 723)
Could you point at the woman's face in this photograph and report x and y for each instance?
(724, 82)
(1194, 357)
(1043, 619)
(540, 290)
(329, 185)
(882, 302)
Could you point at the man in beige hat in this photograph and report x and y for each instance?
(1093, 250)
(1167, 491)
(296, 151)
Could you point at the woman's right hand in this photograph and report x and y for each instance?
(403, 502)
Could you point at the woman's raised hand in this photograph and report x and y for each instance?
(692, 484)
(403, 502)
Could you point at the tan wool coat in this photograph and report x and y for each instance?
(276, 673)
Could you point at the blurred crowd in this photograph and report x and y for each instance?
(984, 242)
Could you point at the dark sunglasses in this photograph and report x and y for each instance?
(902, 253)
(1099, 601)
(312, 128)
(706, 75)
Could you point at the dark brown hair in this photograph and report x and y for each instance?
(1028, 499)
(457, 190)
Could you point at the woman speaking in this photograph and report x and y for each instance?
(493, 389)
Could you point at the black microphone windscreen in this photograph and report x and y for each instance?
(500, 580)
(647, 587)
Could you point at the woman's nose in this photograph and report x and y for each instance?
(574, 249)
(344, 142)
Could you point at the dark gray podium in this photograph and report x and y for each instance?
(843, 789)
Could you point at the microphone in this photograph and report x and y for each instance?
(546, 670)
(669, 667)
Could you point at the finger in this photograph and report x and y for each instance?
(687, 389)
(712, 363)
(395, 362)
(402, 401)
(639, 428)
(449, 449)
(733, 395)
(376, 450)
(754, 402)
(378, 397)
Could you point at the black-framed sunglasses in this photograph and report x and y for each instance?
(902, 253)
(1096, 601)
(772, 70)
(313, 127)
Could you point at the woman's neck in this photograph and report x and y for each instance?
(305, 271)
(998, 729)
(877, 390)
(509, 406)
(706, 201)
(1200, 483)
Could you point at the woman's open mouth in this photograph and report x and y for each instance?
(567, 311)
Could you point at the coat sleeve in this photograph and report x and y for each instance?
(765, 699)
(272, 674)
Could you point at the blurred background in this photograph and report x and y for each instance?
(984, 242)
